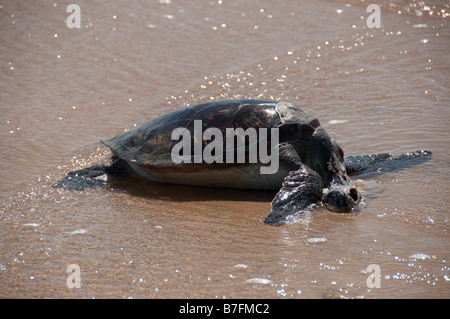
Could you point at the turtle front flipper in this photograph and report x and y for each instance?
(356, 165)
(300, 189)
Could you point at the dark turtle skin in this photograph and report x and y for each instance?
(312, 169)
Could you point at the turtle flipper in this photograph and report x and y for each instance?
(300, 189)
(356, 165)
(90, 177)
(94, 176)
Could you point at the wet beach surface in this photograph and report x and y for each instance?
(374, 90)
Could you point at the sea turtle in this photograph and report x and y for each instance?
(312, 169)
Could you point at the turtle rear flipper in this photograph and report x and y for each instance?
(300, 189)
(356, 165)
(91, 177)
(94, 176)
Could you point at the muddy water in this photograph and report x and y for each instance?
(374, 90)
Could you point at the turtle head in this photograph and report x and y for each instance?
(324, 155)
(342, 199)
(341, 196)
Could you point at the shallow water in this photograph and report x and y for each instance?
(374, 90)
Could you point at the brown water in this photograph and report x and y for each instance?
(375, 90)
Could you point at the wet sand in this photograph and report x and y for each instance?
(374, 90)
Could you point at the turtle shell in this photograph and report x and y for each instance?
(150, 144)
